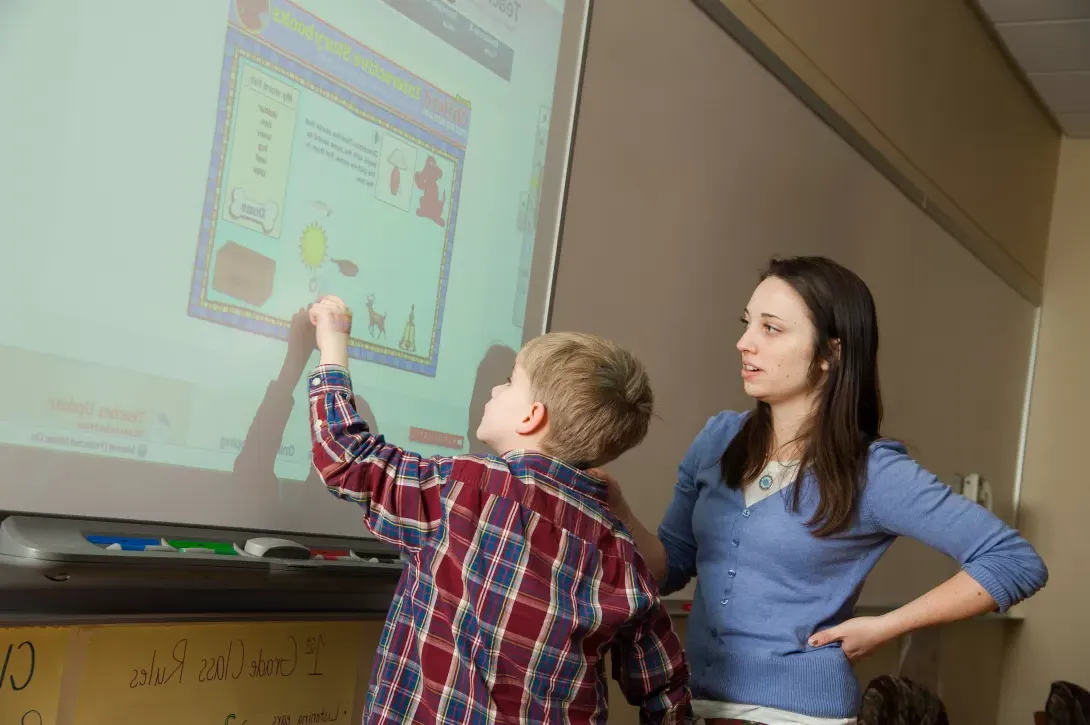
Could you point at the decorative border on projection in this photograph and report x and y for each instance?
(241, 45)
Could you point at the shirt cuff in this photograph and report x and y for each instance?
(326, 379)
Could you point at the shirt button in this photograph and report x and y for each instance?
(745, 512)
(731, 573)
(724, 601)
(734, 542)
(715, 632)
(315, 382)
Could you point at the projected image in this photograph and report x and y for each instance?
(316, 187)
(404, 156)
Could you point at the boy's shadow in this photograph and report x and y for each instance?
(257, 457)
(494, 368)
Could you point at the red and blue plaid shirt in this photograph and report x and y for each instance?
(519, 582)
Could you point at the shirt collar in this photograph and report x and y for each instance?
(560, 474)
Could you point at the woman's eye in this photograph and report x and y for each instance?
(770, 329)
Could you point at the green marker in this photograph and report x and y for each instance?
(216, 546)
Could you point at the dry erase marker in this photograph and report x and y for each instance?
(192, 547)
(123, 543)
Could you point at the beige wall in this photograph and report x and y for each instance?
(660, 252)
(927, 86)
(1055, 641)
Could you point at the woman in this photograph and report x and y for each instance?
(782, 512)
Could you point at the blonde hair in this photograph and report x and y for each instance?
(597, 395)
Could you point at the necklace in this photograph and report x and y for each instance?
(765, 482)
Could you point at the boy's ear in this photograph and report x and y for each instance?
(534, 420)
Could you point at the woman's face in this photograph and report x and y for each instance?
(778, 344)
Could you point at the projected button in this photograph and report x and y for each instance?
(447, 24)
(436, 438)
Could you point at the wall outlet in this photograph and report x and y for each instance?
(970, 487)
(974, 488)
(984, 497)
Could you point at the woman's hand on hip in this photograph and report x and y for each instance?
(959, 597)
(858, 637)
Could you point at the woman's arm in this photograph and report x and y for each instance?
(648, 544)
(671, 554)
(999, 567)
(959, 597)
(904, 499)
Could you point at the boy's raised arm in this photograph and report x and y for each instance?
(398, 490)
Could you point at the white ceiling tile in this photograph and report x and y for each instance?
(1076, 125)
(1049, 47)
(1064, 92)
(1005, 11)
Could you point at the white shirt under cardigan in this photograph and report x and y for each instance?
(765, 584)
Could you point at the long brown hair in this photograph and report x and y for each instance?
(848, 415)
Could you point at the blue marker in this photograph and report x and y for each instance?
(125, 543)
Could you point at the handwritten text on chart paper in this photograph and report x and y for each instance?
(31, 665)
(285, 673)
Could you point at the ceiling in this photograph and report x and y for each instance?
(1050, 40)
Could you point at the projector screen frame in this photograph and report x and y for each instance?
(558, 164)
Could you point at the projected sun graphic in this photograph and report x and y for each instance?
(312, 246)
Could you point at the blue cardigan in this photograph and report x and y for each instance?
(765, 584)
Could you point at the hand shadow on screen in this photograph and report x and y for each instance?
(254, 465)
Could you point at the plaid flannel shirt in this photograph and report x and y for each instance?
(519, 581)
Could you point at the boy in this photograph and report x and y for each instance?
(519, 578)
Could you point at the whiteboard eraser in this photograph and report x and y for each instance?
(268, 547)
